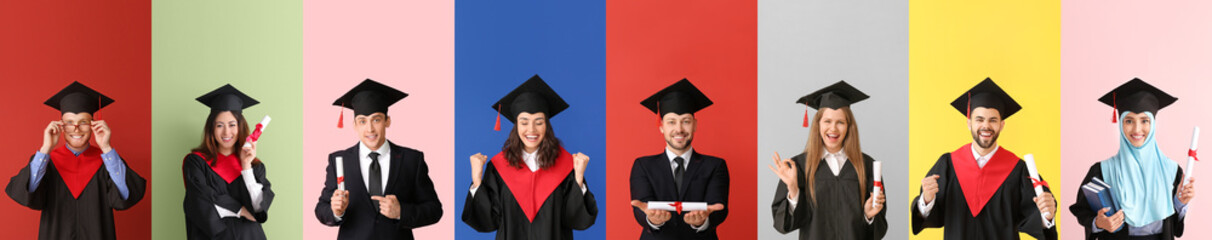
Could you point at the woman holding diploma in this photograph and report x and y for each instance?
(226, 193)
(1146, 186)
(533, 188)
(838, 198)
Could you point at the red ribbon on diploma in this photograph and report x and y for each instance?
(1036, 182)
(879, 184)
(340, 179)
(1191, 153)
(256, 134)
(677, 205)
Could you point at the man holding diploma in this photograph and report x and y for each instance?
(679, 175)
(388, 188)
(1146, 186)
(983, 191)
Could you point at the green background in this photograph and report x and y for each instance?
(198, 46)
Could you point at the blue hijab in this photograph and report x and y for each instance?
(1141, 178)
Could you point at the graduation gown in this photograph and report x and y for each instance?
(65, 216)
(1004, 188)
(407, 178)
(706, 180)
(838, 213)
(204, 188)
(1171, 226)
(520, 204)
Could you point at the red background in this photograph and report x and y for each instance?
(46, 45)
(652, 44)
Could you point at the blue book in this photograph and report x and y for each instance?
(1099, 196)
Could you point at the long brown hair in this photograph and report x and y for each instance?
(850, 145)
(549, 149)
(210, 146)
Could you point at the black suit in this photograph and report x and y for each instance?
(407, 178)
(705, 180)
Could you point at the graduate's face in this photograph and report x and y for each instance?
(986, 125)
(1137, 127)
(372, 129)
(226, 130)
(532, 127)
(678, 130)
(77, 128)
(833, 127)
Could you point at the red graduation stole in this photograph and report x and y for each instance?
(76, 171)
(531, 189)
(228, 166)
(979, 184)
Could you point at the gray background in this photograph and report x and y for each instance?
(806, 45)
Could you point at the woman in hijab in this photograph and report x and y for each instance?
(1146, 186)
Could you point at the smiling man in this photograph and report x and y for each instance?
(981, 190)
(679, 173)
(388, 191)
(78, 186)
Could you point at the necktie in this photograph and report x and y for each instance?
(376, 175)
(677, 173)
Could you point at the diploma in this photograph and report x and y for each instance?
(1191, 156)
(677, 206)
(256, 134)
(1035, 181)
(876, 168)
(340, 173)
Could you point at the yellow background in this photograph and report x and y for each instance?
(955, 44)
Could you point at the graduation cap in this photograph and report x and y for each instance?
(835, 96)
(1139, 97)
(367, 98)
(988, 95)
(227, 98)
(533, 96)
(680, 98)
(77, 98)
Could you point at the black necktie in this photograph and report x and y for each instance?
(376, 175)
(677, 173)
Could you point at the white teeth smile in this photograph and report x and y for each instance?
(532, 137)
(77, 137)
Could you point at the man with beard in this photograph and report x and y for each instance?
(679, 174)
(983, 191)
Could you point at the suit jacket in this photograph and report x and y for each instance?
(407, 178)
(705, 180)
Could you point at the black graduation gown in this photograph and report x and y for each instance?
(407, 178)
(1171, 226)
(838, 214)
(1009, 210)
(91, 216)
(495, 207)
(204, 189)
(706, 180)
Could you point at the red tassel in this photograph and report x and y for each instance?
(97, 116)
(805, 117)
(341, 120)
(498, 126)
(1114, 109)
(968, 111)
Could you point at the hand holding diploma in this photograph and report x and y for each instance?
(875, 202)
(1043, 200)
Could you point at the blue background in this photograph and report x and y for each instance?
(500, 44)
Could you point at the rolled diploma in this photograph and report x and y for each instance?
(256, 134)
(672, 206)
(340, 173)
(1190, 157)
(877, 169)
(1039, 190)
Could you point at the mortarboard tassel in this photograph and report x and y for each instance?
(1114, 109)
(805, 116)
(968, 111)
(498, 125)
(341, 120)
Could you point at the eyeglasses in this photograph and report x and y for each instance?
(71, 125)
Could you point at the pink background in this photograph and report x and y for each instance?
(408, 45)
(1107, 43)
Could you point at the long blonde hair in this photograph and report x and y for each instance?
(850, 145)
